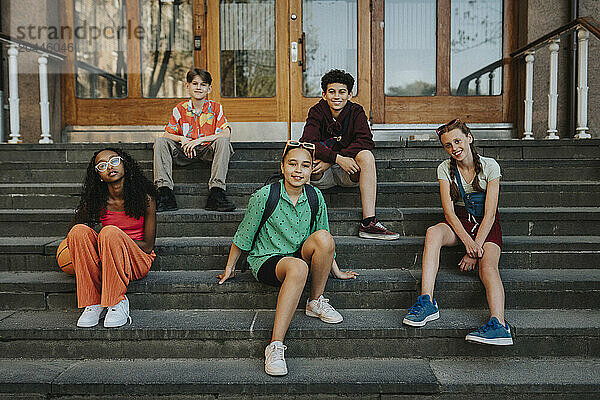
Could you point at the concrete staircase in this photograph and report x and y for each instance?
(193, 339)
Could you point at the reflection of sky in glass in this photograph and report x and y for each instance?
(476, 41)
(410, 47)
(328, 46)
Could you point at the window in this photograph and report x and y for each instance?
(410, 47)
(476, 47)
(247, 39)
(328, 47)
(100, 32)
(166, 47)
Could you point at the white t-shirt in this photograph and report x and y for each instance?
(490, 171)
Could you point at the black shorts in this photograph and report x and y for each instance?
(266, 273)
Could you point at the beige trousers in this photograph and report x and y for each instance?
(168, 151)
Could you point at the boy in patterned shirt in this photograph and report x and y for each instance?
(196, 131)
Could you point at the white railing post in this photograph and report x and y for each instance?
(528, 134)
(171, 86)
(582, 87)
(44, 104)
(180, 88)
(553, 91)
(13, 93)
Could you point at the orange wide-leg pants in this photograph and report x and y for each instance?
(104, 264)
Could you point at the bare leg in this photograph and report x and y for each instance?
(318, 250)
(293, 273)
(490, 276)
(367, 182)
(437, 236)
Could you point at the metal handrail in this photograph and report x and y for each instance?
(463, 86)
(21, 43)
(590, 24)
(100, 72)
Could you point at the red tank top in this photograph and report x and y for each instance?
(134, 228)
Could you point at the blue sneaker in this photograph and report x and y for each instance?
(492, 333)
(422, 312)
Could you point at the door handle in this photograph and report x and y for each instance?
(302, 62)
(294, 52)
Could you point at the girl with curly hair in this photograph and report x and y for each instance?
(118, 195)
(469, 188)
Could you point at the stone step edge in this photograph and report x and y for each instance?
(46, 245)
(310, 376)
(235, 324)
(205, 281)
(335, 215)
(279, 145)
(250, 187)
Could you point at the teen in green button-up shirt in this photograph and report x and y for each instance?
(286, 248)
(284, 232)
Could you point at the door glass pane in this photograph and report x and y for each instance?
(330, 41)
(476, 47)
(166, 46)
(100, 32)
(410, 47)
(247, 29)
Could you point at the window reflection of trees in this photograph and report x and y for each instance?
(166, 47)
(476, 42)
(100, 61)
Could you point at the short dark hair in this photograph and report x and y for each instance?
(337, 76)
(202, 73)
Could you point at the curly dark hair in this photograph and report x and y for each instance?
(94, 195)
(337, 76)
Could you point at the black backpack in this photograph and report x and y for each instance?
(272, 200)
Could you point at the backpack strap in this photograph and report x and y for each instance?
(274, 193)
(271, 204)
(313, 202)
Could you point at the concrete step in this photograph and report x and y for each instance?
(452, 378)
(389, 194)
(560, 221)
(206, 253)
(378, 288)
(191, 378)
(182, 223)
(565, 149)
(369, 333)
(394, 170)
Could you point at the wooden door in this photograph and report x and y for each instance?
(437, 33)
(247, 54)
(326, 35)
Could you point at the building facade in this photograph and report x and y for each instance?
(415, 61)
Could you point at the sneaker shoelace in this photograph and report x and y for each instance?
(91, 309)
(323, 304)
(416, 308)
(492, 324)
(277, 352)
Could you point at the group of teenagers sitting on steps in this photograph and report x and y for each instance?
(285, 229)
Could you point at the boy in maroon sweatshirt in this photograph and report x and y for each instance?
(343, 144)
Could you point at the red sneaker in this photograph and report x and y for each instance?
(376, 230)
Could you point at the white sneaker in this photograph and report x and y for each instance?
(117, 315)
(274, 361)
(90, 316)
(321, 308)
